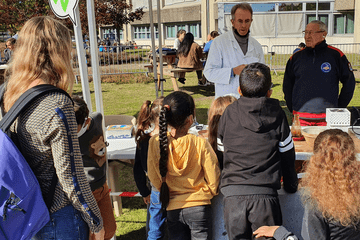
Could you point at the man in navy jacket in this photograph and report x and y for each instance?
(312, 75)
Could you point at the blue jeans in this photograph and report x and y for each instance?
(193, 223)
(157, 217)
(65, 224)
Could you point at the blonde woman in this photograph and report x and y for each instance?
(42, 56)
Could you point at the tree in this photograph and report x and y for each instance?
(111, 12)
(13, 13)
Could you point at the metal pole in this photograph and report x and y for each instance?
(81, 58)
(317, 9)
(94, 56)
(152, 35)
(160, 48)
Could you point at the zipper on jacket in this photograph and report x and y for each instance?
(314, 55)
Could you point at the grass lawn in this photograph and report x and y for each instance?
(124, 94)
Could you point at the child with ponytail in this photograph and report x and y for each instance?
(185, 169)
(147, 126)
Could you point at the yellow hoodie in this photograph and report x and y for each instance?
(193, 170)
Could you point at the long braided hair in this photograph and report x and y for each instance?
(177, 107)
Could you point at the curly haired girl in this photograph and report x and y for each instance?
(185, 169)
(332, 188)
(331, 191)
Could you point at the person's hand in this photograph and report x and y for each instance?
(100, 235)
(265, 231)
(147, 199)
(237, 70)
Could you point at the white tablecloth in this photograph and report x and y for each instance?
(121, 148)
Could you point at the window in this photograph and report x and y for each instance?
(290, 6)
(263, 7)
(344, 23)
(121, 35)
(170, 31)
(179, 27)
(322, 17)
(195, 30)
(322, 6)
(143, 32)
(228, 7)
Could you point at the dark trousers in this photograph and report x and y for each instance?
(193, 223)
(199, 74)
(244, 214)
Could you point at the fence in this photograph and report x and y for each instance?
(280, 54)
(114, 60)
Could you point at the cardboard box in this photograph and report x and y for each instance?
(119, 131)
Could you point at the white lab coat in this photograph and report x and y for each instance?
(225, 53)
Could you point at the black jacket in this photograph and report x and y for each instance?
(311, 80)
(258, 148)
(315, 226)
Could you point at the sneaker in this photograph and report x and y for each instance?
(201, 83)
(182, 80)
(207, 83)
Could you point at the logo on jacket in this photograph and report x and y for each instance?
(326, 67)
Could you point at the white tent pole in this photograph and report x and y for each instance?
(81, 58)
(160, 47)
(94, 56)
(317, 9)
(152, 34)
(95, 67)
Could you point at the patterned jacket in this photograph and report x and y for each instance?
(42, 138)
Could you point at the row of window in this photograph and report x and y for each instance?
(142, 32)
(337, 22)
(290, 6)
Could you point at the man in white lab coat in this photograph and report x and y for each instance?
(232, 51)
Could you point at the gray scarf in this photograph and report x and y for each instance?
(242, 40)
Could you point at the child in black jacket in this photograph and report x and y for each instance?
(258, 150)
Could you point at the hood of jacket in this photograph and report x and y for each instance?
(258, 114)
(181, 150)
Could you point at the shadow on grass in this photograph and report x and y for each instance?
(139, 234)
(207, 91)
(202, 115)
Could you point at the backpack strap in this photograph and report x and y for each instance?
(24, 101)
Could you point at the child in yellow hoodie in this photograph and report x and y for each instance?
(184, 168)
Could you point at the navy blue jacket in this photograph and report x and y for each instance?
(311, 81)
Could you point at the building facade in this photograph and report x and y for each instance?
(274, 22)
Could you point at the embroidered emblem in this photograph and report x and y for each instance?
(350, 67)
(326, 67)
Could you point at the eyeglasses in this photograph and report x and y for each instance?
(311, 33)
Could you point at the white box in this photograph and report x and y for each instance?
(338, 117)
